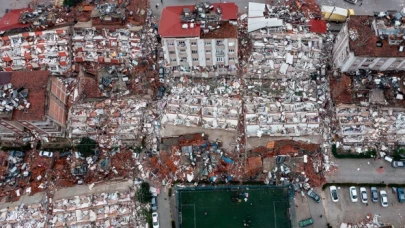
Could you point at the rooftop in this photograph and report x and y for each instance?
(363, 41)
(171, 25)
(11, 20)
(36, 83)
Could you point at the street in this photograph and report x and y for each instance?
(368, 6)
(366, 171)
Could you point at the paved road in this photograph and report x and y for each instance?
(368, 6)
(366, 171)
(165, 218)
(317, 209)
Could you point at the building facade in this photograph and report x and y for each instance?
(43, 110)
(374, 43)
(200, 36)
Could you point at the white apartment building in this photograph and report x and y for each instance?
(374, 43)
(201, 35)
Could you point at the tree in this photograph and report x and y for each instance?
(71, 3)
(87, 146)
(143, 194)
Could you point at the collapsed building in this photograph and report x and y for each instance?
(371, 42)
(203, 35)
(283, 97)
(202, 108)
(34, 104)
(109, 122)
(41, 50)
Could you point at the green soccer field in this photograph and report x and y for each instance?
(226, 207)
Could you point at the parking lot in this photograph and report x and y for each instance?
(353, 212)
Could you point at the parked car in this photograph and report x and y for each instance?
(44, 153)
(306, 222)
(161, 92)
(79, 170)
(155, 220)
(363, 194)
(374, 194)
(333, 193)
(16, 153)
(314, 196)
(153, 204)
(353, 194)
(351, 1)
(64, 154)
(401, 195)
(161, 72)
(398, 164)
(384, 198)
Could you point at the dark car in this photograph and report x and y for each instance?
(351, 1)
(64, 154)
(398, 164)
(161, 92)
(16, 153)
(314, 196)
(306, 222)
(401, 195)
(161, 72)
(79, 170)
(153, 203)
(374, 194)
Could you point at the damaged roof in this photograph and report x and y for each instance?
(365, 43)
(171, 26)
(10, 19)
(36, 83)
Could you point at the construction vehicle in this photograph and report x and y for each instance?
(333, 13)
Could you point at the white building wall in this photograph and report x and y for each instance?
(213, 51)
(226, 49)
(201, 52)
(387, 64)
(188, 50)
(348, 63)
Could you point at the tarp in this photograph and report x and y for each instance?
(227, 160)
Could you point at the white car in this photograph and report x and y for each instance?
(384, 198)
(333, 193)
(353, 194)
(363, 194)
(46, 153)
(155, 220)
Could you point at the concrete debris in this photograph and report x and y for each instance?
(12, 98)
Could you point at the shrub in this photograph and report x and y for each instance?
(143, 194)
(368, 154)
(87, 146)
(71, 3)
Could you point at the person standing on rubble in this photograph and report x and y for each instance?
(157, 5)
(161, 1)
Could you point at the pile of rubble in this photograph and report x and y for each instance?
(42, 50)
(191, 158)
(105, 210)
(12, 98)
(110, 122)
(23, 216)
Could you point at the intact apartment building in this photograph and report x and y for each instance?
(200, 35)
(371, 42)
(35, 102)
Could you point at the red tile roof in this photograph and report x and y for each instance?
(171, 26)
(10, 20)
(366, 42)
(317, 26)
(36, 83)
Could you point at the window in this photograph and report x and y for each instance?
(193, 43)
(207, 59)
(220, 42)
(231, 50)
(170, 43)
(208, 51)
(194, 52)
(220, 59)
(195, 60)
(183, 59)
(173, 60)
(207, 43)
(181, 42)
(172, 52)
(231, 59)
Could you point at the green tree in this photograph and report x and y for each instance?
(87, 146)
(71, 3)
(143, 194)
